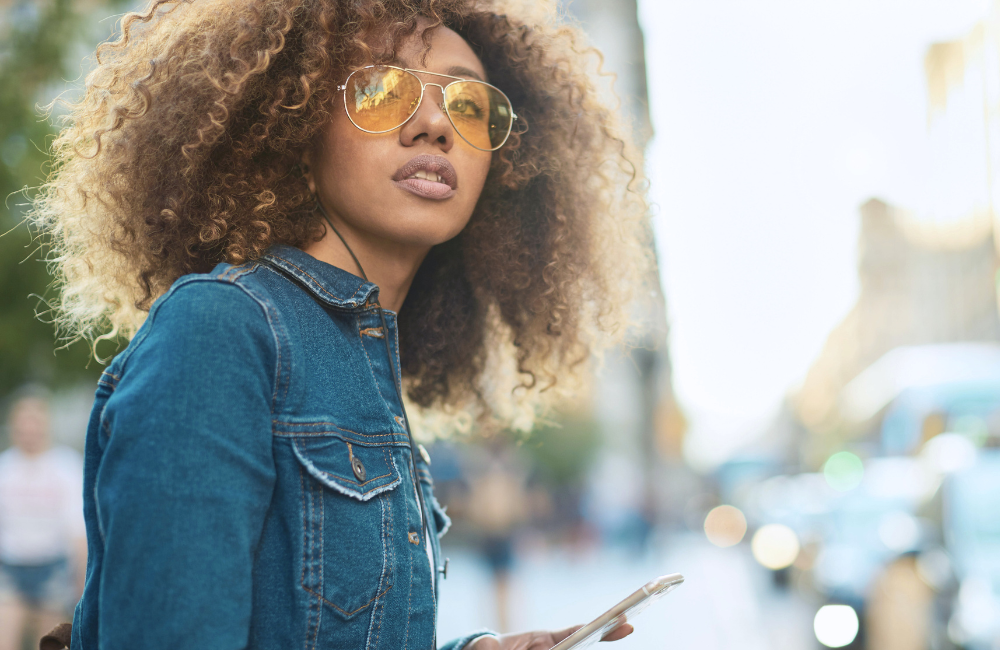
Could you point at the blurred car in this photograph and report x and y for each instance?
(857, 534)
(971, 521)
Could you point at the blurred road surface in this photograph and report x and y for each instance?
(727, 602)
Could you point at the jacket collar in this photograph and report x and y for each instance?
(329, 284)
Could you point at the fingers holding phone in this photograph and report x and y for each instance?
(542, 640)
(612, 625)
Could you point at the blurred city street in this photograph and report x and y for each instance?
(805, 423)
(727, 600)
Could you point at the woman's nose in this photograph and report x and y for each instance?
(430, 122)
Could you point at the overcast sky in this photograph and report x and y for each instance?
(774, 120)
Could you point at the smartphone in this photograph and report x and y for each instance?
(627, 609)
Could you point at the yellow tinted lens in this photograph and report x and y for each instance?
(480, 113)
(381, 99)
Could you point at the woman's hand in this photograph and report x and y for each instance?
(540, 640)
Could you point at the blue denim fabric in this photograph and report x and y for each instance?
(223, 503)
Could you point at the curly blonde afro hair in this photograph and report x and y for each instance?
(184, 151)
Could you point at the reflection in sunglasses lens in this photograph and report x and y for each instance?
(381, 99)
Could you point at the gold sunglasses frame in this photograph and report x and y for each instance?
(443, 105)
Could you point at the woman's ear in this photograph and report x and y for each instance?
(306, 167)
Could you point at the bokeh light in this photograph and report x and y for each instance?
(949, 452)
(836, 625)
(934, 568)
(899, 531)
(775, 546)
(725, 526)
(844, 471)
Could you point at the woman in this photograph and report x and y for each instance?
(42, 545)
(314, 207)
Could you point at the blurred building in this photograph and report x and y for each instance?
(928, 275)
(963, 83)
(634, 404)
(918, 286)
(613, 28)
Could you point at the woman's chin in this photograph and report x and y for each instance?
(424, 233)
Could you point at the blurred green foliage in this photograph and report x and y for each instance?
(563, 450)
(41, 45)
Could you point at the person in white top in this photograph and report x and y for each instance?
(42, 535)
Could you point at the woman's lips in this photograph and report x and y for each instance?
(423, 187)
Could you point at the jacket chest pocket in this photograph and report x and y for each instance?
(347, 517)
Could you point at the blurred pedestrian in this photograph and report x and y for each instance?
(42, 540)
(899, 611)
(497, 507)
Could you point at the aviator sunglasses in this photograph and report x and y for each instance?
(381, 98)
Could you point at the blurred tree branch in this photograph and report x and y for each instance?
(38, 40)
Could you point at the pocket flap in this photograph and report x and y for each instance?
(355, 470)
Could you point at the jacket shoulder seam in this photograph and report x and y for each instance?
(193, 279)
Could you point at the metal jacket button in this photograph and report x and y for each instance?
(359, 468)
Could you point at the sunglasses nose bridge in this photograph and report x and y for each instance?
(440, 105)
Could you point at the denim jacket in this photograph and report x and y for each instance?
(247, 474)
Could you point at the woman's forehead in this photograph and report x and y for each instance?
(445, 52)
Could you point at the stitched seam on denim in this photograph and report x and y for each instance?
(375, 378)
(227, 275)
(392, 557)
(381, 578)
(409, 596)
(399, 439)
(332, 424)
(277, 332)
(236, 272)
(317, 559)
(374, 332)
(222, 276)
(395, 470)
(306, 557)
(321, 564)
(302, 491)
(388, 406)
(344, 611)
(335, 432)
(317, 282)
(399, 370)
(103, 424)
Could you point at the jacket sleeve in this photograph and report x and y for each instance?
(187, 473)
(461, 642)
